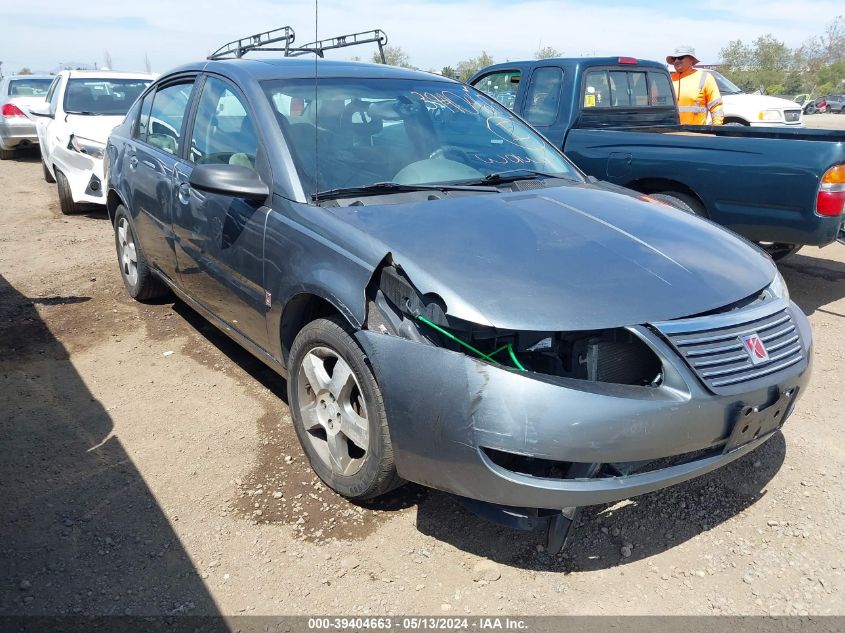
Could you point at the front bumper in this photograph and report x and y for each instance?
(447, 411)
(777, 124)
(84, 174)
(17, 131)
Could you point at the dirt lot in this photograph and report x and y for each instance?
(148, 466)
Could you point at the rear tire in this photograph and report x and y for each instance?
(779, 251)
(140, 282)
(682, 201)
(48, 177)
(66, 203)
(7, 154)
(338, 412)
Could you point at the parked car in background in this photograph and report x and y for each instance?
(741, 108)
(617, 119)
(815, 106)
(74, 121)
(835, 103)
(17, 127)
(451, 300)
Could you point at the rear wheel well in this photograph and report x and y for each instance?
(113, 200)
(663, 185)
(298, 313)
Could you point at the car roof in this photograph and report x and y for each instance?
(18, 77)
(262, 69)
(107, 74)
(577, 61)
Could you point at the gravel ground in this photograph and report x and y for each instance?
(148, 466)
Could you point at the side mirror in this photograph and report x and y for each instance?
(41, 109)
(229, 180)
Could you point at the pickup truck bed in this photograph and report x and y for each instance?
(762, 183)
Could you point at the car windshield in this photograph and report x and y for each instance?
(726, 86)
(29, 87)
(362, 132)
(102, 96)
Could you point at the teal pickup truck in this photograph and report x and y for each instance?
(616, 118)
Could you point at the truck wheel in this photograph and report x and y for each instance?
(140, 282)
(338, 412)
(682, 201)
(779, 251)
(47, 175)
(66, 203)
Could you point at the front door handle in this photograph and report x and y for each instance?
(184, 192)
(133, 162)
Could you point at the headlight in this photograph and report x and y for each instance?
(86, 146)
(770, 115)
(777, 289)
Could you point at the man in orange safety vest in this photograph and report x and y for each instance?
(696, 90)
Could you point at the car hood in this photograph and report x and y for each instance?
(759, 102)
(93, 127)
(565, 258)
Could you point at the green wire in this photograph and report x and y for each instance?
(490, 358)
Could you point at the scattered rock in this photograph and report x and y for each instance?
(278, 495)
(350, 562)
(486, 570)
(445, 607)
(25, 585)
(626, 551)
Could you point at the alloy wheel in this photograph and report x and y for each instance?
(127, 253)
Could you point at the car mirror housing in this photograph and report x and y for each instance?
(236, 181)
(41, 109)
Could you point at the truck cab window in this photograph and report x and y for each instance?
(502, 86)
(543, 101)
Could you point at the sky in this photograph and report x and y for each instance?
(43, 34)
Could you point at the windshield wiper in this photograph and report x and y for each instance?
(83, 112)
(379, 188)
(510, 175)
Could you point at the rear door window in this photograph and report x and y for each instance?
(140, 131)
(166, 115)
(596, 90)
(502, 86)
(543, 100)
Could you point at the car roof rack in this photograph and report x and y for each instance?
(263, 41)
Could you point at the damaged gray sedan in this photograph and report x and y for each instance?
(452, 302)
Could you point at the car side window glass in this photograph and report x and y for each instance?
(223, 132)
(142, 125)
(502, 86)
(596, 90)
(54, 98)
(659, 90)
(166, 115)
(543, 99)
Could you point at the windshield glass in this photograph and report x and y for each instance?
(363, 131)
(726, 86)
(102, 96)
(29, 87)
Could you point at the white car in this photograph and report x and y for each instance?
(74, 121)
(758, 110)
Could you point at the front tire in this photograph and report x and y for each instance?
(66, 203)
(338, 412)
(140, 282)
(682, 201)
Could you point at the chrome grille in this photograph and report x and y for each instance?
(791, 116)
(718, 355)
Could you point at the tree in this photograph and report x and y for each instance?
(147, 65)
(25, 71)
(736, 56)
(394, 56)
(107, 60)
(468, 67)
(449, 72)
(546, 52)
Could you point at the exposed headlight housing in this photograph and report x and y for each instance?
(86, 146)
(770, 115)
(777, 289)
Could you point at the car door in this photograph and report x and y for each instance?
(151, 160)
(45, 125)
(220, 238)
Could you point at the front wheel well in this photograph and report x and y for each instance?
(663, 185)
(298, 313)
(735, 120)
